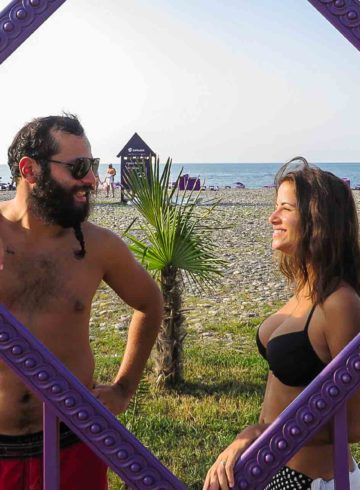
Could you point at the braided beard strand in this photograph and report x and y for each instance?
(54, 204)
(79, 254)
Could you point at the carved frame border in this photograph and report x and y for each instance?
(344, 15)
(313, 408)
(20, 19)
(48, 378)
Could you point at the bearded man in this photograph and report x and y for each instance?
(54, 260)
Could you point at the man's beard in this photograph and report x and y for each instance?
(54, 205)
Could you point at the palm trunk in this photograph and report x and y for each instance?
(169, 344)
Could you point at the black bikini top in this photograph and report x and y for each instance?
(291, 356)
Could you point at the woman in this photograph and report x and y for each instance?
(315, 231)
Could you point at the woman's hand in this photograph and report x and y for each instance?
(221, 474)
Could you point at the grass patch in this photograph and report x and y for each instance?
(187, 428)
(222, 393)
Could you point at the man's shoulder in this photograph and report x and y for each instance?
(104, 243)
(92, 228)
(99, 234)
(5, 203)
(6, 206)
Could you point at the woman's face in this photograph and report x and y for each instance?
(285, 220)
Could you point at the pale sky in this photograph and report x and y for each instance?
(199, 80)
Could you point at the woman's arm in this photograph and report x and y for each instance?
(267, 391)
(341, 312)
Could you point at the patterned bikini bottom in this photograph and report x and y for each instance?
(290, 479)
(286, 478)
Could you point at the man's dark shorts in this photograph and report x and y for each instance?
(21, 463)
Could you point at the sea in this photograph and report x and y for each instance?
(252, 175)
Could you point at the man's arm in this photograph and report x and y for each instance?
(136, 288)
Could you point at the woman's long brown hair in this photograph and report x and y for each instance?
(328, 250)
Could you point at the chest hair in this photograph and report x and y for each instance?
(32, 283)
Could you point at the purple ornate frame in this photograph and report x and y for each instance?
(65, 397)
(323, 399)
(344, 15)
(20, 19)
(68, 399)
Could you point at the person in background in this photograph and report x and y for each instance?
(106, 185)
(110, 178)
(315, 232)
(97, 183)
(96, 173)
(54, 260)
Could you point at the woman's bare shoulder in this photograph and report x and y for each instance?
(343, 297)
(341, 317)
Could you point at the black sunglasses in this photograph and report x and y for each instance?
(79, 167)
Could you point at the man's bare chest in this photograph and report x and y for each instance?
(45, 280)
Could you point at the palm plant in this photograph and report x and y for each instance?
(175, 245)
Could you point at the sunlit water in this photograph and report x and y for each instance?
(253, 175)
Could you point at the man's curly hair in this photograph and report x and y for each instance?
(36, 140)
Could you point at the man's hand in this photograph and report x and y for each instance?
(114, 397)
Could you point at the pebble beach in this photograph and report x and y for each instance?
(250, 279)
(251, 285)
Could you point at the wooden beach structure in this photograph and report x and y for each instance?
(135, 155)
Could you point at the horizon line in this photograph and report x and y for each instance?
(232, 163)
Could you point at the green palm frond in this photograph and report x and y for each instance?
(136, 405)
(176, 232)
(173, 241)
(150, 192)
